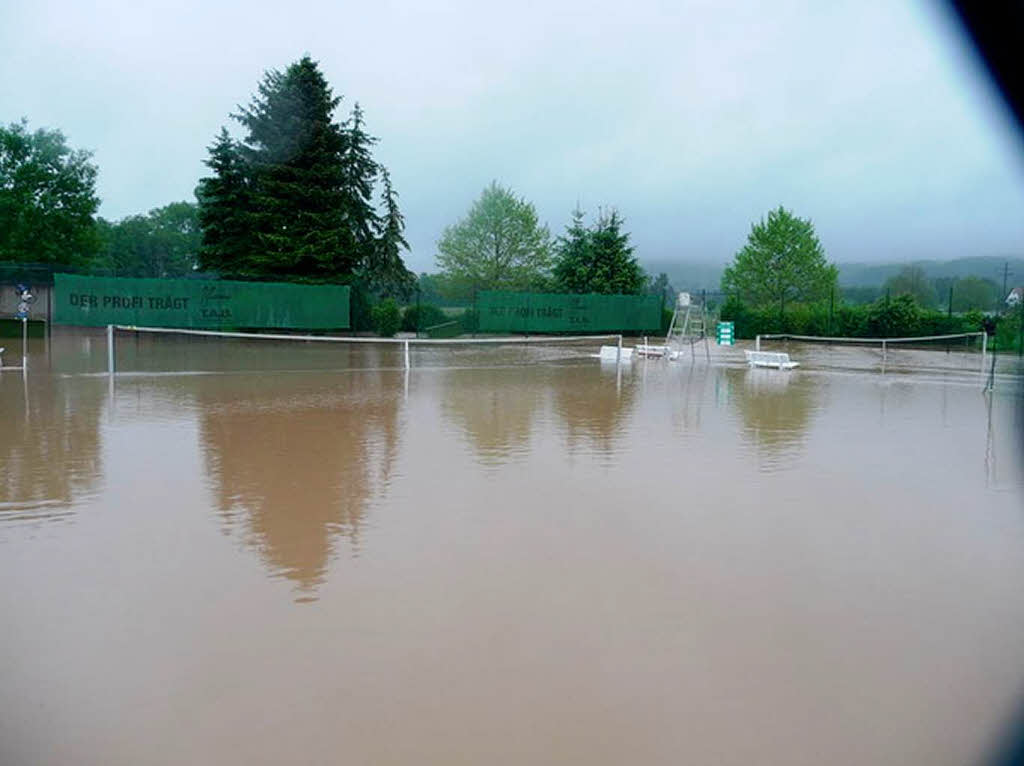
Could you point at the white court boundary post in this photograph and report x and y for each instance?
(110, 349)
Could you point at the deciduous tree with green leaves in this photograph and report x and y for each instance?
(974, 293)
(499, 245)
(662, 287)
(163, 243)
(912, 281)
(783, 262)
(47, 198)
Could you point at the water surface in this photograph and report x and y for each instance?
(505, 556)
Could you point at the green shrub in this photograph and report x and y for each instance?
(850, 322)
(361, 307)
(666, 319)
(450, 329)
(470, 321)
(387, 318)
(1008, 331)
(898, 317)
(416, 318)
(972, 321)
(885, 318)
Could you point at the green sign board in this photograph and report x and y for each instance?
(567, 313)
(726, 333)
(196, 303)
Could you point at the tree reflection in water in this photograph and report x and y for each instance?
(294, 465)
(50, 451)
(495, 408)
(594, 405)
(777, 409)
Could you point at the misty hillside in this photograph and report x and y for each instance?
(989, 267)
(697, 276)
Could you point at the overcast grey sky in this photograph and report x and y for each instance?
(692, 118)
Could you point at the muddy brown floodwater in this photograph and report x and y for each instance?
(295, 554)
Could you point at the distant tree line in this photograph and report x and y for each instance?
(501, 245)
(301, 197)
(780, 282)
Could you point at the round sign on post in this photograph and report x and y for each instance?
(25, 299)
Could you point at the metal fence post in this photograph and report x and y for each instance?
(831, 308)
(110, 349)
(1020, 336)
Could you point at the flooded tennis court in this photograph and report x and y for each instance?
(301, 554)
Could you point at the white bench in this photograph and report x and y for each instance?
(644, 349)
(611, 354)
(770, 359)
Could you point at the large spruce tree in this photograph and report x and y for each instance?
(224, 210)
(294, 199)
(598, 259)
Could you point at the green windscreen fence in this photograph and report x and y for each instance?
(200, 304)
(556, 312)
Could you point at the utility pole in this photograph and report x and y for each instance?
(950, 315)
(1002, 298)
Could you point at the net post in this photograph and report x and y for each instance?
(406, 355)
(984, 348)
(618, 352)
(110, 349)
(24, 345)
(757, 343)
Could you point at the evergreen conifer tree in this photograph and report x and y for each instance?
(573, 253)
(386, 271)
(599, 259)
(224, 209)
(614, 269)
(294, 199)
(294, 154)
(359, 173)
